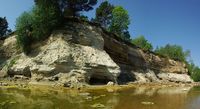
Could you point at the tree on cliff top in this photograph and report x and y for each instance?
(142, 43)
(74, 7)
(70, 7)
(120, 21)
(104, 14)
(4, 27)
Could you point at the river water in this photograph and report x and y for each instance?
(132, 98)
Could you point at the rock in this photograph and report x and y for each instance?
(96, 97)
(84, 94)
(4, 72)
(110, 90)
(152, 76)
(20, 77)
(78, 62)
(147, 103)
(171, 77)
(90, 55)
(98, 105)
(141, 77)
(110, 83)
(3, 84)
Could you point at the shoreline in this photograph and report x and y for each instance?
(109, 88)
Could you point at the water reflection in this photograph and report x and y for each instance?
(135, 98)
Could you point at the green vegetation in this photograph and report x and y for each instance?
(194, 71)
(48, 15)
(23, 30)
(74, 7)
(104, 14)
(113, 18)
(196, 74)
(174, 52)
(37, 24)
(142, 43)
(120, 22)
(4, 27)
(82, 17)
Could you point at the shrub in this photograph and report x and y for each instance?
(37, 24)
(23, 30)
(196, 75)
(142, 43)
(194, 71)
(174, 52)
(46, 17)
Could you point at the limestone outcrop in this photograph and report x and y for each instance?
(83, 52)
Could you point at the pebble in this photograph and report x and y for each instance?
(98, 105)
(147, 103)
(110, 90)
(3, 84)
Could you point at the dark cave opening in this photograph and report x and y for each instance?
(99, 80)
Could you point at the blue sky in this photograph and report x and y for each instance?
(160, 21)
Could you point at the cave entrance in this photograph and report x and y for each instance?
(99, 80)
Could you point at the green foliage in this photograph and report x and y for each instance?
(74, 7)
(23, 30)
(174, 52)
(194, 71)
(190, 67)
(142, 43)
(4, 27)
(46, 17)
(38, 24)
(126, 36)
(82, 17)
(196, 75)
(120, 21)
(104, 14)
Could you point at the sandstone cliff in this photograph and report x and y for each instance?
(83, 52)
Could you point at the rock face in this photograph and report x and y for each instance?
(133, 59)
(174, 77)
(85, 53)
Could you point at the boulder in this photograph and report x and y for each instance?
(171, 77)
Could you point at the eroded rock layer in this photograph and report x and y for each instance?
(84, 53)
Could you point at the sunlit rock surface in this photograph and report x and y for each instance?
(83, 52)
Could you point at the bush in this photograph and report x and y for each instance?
(37, 24)
(174, 52)
(45, 19)
(142, 43)
(196, 75)
(23, 30)
(194, 71)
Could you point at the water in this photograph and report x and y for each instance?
(133, 98)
